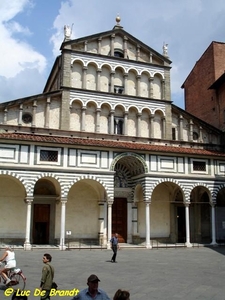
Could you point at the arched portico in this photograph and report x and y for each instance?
(13, 210)
(44, 208)
(200, 216)
(86, 213)
(127, 167)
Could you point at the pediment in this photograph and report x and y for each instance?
(100, 43)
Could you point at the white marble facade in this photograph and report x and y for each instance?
(104, 131)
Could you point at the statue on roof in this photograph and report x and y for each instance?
(165, 49)
(67, 32)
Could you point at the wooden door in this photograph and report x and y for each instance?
(119, 218)
(41, 219)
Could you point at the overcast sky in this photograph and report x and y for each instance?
(31, 32)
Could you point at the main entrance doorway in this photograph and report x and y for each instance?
(119, 218)
(41, 220)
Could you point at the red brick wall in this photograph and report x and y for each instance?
(199, 100)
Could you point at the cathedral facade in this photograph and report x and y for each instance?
(102, 149)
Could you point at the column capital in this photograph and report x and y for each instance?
(63, 200)
(29, 200)
(110, 202)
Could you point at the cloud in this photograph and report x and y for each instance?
(188, 26)
(21, 57)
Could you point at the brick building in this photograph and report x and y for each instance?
(203, 91)
(102, 149)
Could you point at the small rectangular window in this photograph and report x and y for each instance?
(199, 166)
(48, 155)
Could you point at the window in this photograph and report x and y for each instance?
(118, 53)
(199, 166)
(195, 136)
(27, 118)
(118, 89)
(174, 134)
(48, 155)
(118, 125)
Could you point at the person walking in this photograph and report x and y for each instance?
(47, 276)
(114, 246)
(92, 292)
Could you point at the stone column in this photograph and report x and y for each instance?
(27, 244)
(150, 58)
(98, 79)
(112, 122)
(97, 125)
(99, 45)
(116, 121)
(181, 128)
(112, 82)
(163, 128)
(151, 126)
(129, 219)
(187, 225)
(62, 245)
(191, 131)
(112, 44)
(20, 115)
(200, 135)
(47, 112)
(109, 223)
(85, 46)
(151, 79)
(34, 113)
(125, 39)
(138, 53)
(105, 225)
(125, 129)
(213, 222)
(101, 222)
(83, 110)
(134, 220)
(84, 78)
(5, 116)
(125, 76)
(147, 220)
(163, 89)
(138, 133)
(138, 79)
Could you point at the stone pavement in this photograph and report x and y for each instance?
(168, 274)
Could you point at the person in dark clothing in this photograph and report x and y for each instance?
(47, 276)
(114, 246)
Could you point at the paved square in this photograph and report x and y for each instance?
(182, 273)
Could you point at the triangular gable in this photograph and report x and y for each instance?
(79, 44)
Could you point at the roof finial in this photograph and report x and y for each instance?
(118, 20)
(118, 26)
